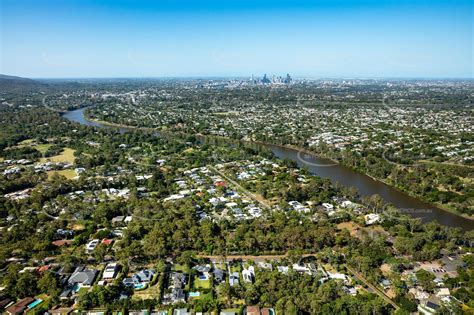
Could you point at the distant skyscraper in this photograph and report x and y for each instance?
(288, 79)
(265, 80)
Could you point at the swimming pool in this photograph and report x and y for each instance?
(139, 286)
(35, 303)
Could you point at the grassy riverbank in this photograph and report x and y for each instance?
(302, 150)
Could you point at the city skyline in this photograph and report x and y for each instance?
(308, 39)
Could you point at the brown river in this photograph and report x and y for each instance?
(343, 175)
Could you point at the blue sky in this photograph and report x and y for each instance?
(125, 38)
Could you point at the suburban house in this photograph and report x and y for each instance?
(372, 218)
(265, 265)
(110, 271)
(349, 290)
(83, 277)
(339, 276)
(234, 278)
(328, 207)
(283, 269)
(177, 282)
(117, 220)
(429, 307)
(139, 279)
(218, 275)
(203, 272)
(301, 269)
(253, 310)
(91, 245)
(20, 306)
(249, 274)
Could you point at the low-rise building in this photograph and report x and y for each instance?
(110, 271)
(83, 277)
(91, 245)
(249, 274)
(372, 218)
(20, 306)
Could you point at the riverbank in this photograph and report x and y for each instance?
(417, 203)
(115, 125)
(302, 150)
(383, 181)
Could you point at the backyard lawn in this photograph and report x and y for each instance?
(202, 284)
(182, 268)
(151, 292)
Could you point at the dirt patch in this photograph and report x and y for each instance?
(69, 174)
(386, 269)
(352, 227)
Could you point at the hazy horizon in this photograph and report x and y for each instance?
(241, 77)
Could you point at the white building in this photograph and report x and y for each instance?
(110, 271)
(372, 218)
(328, 207)
(283, 269)
(249, 274)
(91, 245)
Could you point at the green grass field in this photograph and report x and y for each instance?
(182, 268)
(203, 284)
(42, 147)
(67, 156)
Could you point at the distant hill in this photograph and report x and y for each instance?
(12, 83)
